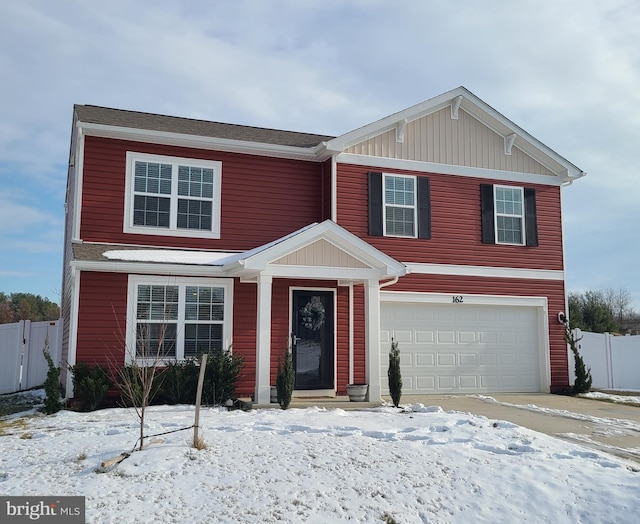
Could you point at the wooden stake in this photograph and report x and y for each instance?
(203, 366)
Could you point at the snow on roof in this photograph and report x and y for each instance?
(170, 256)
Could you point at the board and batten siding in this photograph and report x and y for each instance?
(554, 290)
(440, 139)
(456, 235)
(263, 198)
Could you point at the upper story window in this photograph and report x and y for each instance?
(172, 196)
(400, 205)
(509, 215)
(509, 205)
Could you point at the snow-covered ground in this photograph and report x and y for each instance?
(315, 465)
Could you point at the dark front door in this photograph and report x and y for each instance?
(312, 339)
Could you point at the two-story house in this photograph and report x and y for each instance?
(439, 226)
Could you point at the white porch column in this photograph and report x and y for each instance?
(263, 340)
(372, 338)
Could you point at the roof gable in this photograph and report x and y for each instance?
(460, 129)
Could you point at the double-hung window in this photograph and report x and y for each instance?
(509, 215)
(177, 318)
(509, 205)
(172, 196)
(399, 205)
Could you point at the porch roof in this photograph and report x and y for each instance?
(321, 251)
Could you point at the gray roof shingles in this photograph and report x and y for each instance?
(171, 124)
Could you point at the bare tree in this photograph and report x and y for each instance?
(619, 302)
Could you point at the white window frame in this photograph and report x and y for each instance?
(181, 282)
(521, 216)
(172, 230)
(414, 207)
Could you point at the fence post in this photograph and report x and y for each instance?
(607, 342)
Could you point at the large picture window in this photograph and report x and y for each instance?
(177, 318)
(172, 196)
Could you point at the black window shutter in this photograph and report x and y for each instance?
(424, 207)
(486, 206)
(375, 204)
(530, 217)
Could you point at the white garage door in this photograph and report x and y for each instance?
(462, 348)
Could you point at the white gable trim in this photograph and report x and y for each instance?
(463, 98)
(447, 169)
(259, 260)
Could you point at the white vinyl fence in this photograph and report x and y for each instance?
(614, 361)
(22, 362)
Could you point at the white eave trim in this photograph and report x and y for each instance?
(484, 271)
(148, 268)
(448, 169)
(202, 142)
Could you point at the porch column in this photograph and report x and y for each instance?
(263, 340)
(372, 338)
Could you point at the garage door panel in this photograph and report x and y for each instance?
(425, 337)
(423, 359)
(462, 348)
(446, 359)
(446, 337)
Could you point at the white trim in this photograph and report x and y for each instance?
(334, 291)
(148, 268)
(73, 329)
(201, 142)
(334, 189)
(351, 334)
(372, 340)
(377, 162)
(541, 303)
(484, 271)
(79, 172)
(135, 280)
(172, 230)
(467, 298)
(263, 339)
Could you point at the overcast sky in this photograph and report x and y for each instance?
(567, 71)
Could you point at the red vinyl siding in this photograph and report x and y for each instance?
(102, 313)
(456, 227)
(552, 289)
(245, 300)
(263, 198)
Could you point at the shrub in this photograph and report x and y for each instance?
(285, 380)
(180, 382)
(395, 377)
(221, 376)
(90, 384)
(583, 374)
(52, 386)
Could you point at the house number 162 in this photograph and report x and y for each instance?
(457, 299)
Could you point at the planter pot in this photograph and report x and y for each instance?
(274, 395)
(357, 392)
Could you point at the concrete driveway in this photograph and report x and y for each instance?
(613, 428)
(608, 427)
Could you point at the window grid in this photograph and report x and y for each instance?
(173, 196)
(509, 206)
(160, 309)
(399, 205)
